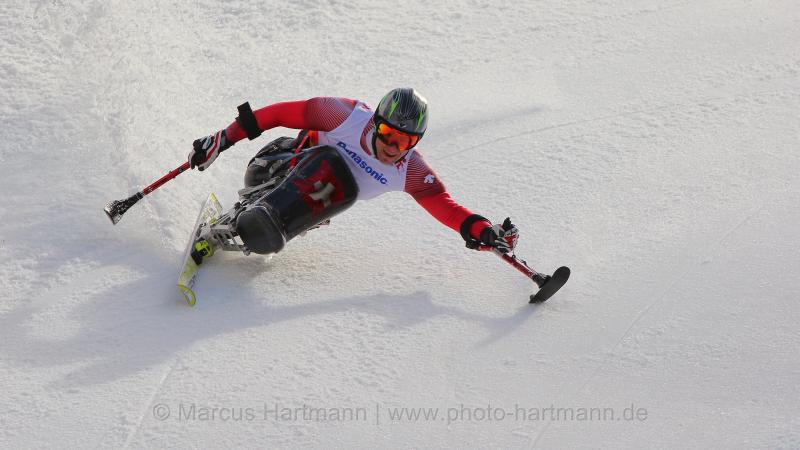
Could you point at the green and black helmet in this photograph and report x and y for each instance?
(401, 119)
(404, 110)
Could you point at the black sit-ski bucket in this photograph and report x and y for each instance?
(319, 187)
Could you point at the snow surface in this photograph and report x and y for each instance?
(652, 146)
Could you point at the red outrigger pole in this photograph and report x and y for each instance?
(548, 284)
(115, 209)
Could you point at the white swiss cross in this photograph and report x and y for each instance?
(323, 193)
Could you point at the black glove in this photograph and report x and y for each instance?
(205, 150)
(502, 237)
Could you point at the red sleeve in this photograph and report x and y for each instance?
(318, 113)
(426, 188)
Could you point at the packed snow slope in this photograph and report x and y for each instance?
(652, 146)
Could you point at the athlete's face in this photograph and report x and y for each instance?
(388, 153)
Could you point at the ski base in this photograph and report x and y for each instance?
(552, 285)
(209, 213)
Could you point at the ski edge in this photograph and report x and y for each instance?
(210, 208)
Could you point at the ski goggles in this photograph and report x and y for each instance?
(392, 136)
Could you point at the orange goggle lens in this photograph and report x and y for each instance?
(392, 136)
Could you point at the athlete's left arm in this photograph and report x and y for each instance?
(424, 185)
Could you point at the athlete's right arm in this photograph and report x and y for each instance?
(318, 113)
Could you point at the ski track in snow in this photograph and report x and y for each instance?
(611, 353)
(150, 403)
(672, 107)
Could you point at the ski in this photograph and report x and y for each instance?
(210, 212)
